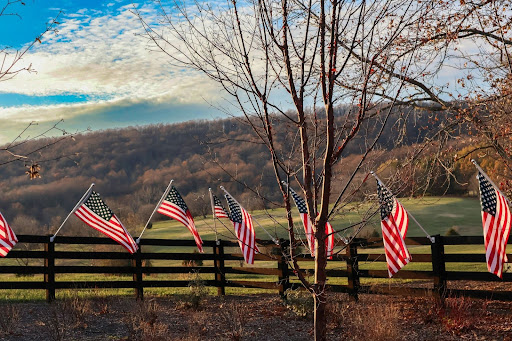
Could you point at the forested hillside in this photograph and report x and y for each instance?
(131, 168)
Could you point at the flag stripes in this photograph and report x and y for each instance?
(496, 221)
(394, 224)
(220, 211)
(244, 229)
(112, 228)
(329, 241)
(308, 230)
(175, 207)
(173, 211)
(308, 227)
(7, 237)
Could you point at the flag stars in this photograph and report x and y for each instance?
(299, 202)
(234, 208)
(487, 195)
(95, 204)
(175, 197)
(386, 201)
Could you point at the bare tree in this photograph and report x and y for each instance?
(314, 56)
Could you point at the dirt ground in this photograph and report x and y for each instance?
(255, 317)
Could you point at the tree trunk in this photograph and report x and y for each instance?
(320, 294)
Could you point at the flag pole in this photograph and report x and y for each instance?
(409, 213)
(84, 197)
(489, 179)
(271, 237)
(156, 208)
(213, 212)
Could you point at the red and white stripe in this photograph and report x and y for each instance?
(310, 235)
(496, 234)
(394, 230)
(174, 211)
(246, 236)
(7, 237)
(220, 213)
(308, 229)
(112, 228)
(329, 241)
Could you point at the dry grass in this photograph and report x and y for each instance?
(58, 322)
(456, 315)
(9, 318)
(144, 322)
(258, 317)
(234, 316)
(366, 321)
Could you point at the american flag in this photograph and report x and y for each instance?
(242, 222)
(308, 226)
(95, 213)
(174, 206)
(496, 224)
(394, 223)
(7, 237)
(220, 211)
(329, 242)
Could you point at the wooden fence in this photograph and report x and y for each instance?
(221, 264)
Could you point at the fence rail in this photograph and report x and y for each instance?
(276, 275)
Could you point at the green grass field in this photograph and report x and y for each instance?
(437, 215)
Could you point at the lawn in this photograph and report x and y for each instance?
(437, 215)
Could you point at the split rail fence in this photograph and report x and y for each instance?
(269, 271)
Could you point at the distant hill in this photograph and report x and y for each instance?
(131, 168)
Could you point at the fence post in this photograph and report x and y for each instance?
(353, 271)
(282, 267)
(137, 274)
(49, 275)
(439, 267)
(220, 275)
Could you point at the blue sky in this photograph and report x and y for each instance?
(95, 72)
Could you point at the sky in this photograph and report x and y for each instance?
(95, 72)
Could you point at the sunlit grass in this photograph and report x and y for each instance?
(437, 215)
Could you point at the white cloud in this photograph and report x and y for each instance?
(102, 55)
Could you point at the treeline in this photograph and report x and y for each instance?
(131, 167)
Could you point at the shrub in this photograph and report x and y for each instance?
(109, 262)
(234, 316)
(59, 322)
(197, 292)
(192, 262)
(143, 323)
(454, 315)
(452, 231)
(299, 301)
(371, 321)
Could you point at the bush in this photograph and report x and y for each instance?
(371, 321)
(144, 324)
(300, 301)
(192, 262)
(197, 292)
(452, 231)
(109, 262)
(234, 316)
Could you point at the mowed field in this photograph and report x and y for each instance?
(437, 215)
